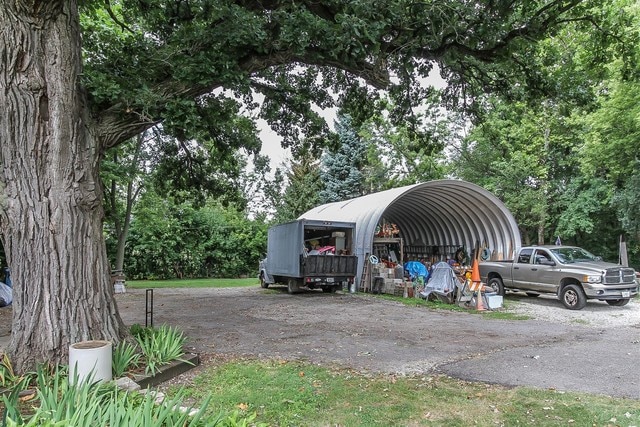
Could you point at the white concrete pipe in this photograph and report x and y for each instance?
(90, 360)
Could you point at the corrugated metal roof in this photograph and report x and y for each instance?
(436, 213)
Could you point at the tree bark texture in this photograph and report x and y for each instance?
(50, 198)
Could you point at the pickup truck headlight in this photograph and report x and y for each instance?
(592, 279)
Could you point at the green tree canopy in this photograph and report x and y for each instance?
(566, 163)
(164, 60)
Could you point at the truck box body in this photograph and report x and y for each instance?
(285, 244)
(289, 258)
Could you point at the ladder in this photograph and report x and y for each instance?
(365, 279)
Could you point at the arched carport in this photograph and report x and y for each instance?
(441, 213)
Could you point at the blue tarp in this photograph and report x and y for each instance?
(416, 269)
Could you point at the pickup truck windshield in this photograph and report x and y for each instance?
(571, 255)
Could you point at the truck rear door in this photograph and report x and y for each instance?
(543, 276)
(521, 270)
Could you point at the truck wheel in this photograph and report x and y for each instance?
(263, 284)
(573, 297)
(292, 286)
(496, 284)
(618, 302)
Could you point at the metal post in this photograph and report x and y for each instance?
(148, 320)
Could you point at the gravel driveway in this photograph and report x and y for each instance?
(592, 350)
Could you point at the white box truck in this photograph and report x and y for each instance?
(313, 253)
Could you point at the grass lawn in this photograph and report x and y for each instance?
(286, 393)
(193, 283)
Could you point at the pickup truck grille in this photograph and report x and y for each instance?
(614, 276)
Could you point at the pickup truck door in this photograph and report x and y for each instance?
(521, 270)
(543, 277)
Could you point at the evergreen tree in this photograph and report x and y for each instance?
(303, 190)
(342, 170)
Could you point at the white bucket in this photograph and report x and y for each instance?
(90, 360)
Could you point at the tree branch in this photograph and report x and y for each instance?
(113, 16)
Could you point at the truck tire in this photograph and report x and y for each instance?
(573, 297)
(263, 284)
(618, 302)
(496, 284)
(292, 286)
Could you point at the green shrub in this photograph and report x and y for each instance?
(126, 356)
(160, 347)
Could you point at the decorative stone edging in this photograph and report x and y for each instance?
(165, 373)
(142, 382)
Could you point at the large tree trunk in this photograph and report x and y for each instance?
(50, 206)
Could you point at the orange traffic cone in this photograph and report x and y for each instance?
(480, 304)
(475, 271)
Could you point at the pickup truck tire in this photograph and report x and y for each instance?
(573, 297)
(618, 302)
(292, 286)
(496, 284)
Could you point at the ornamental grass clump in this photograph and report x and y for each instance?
(160, 346)
(126, 357)
(59, 403)
(8, 377)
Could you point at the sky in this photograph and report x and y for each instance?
(271, 141)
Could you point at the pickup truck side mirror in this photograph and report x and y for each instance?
(547, 262)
